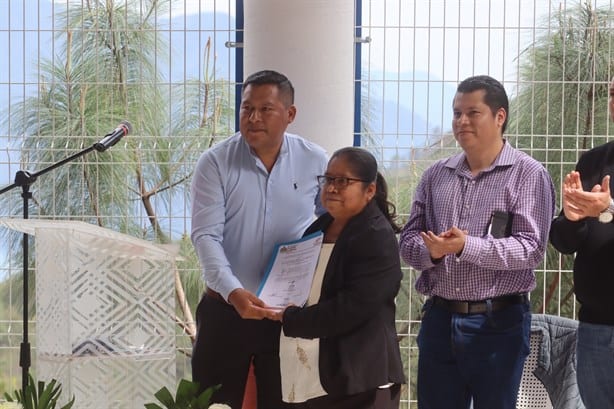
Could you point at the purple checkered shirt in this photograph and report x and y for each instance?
(448, 195)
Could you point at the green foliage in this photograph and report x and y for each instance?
(186, 397)
(561, 106)
(563, 87)
(39, 395)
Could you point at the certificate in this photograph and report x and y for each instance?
(290, 272)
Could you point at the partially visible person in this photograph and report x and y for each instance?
(585, 227)
(477, 228)
(341, 349)
(249, 192)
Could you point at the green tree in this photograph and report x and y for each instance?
(560, 110)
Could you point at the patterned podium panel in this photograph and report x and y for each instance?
(118, 382)
(105, 304)
(97, 299)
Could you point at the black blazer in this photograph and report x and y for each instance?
(355, 316)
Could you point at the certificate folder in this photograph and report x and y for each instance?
(290, 271)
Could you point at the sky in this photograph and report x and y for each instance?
(463, 41)
(418, 51)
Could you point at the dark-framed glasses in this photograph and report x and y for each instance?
(339, 182)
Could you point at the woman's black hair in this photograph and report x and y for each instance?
(364, 166)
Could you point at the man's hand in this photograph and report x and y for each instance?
(451, 241)
(579, 204)
(249, 306)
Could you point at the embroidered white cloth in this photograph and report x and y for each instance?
(300, 370)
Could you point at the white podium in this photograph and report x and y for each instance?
(105, 303)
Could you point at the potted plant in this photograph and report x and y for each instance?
(37, 396)
(186, 397)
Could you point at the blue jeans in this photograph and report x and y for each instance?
(595, 355)
(475, 357)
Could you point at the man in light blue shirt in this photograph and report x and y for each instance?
(253, 190)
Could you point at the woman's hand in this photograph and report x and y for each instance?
(279, 313)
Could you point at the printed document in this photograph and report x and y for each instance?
(290, 272)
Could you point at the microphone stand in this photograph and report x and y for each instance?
(25, 179)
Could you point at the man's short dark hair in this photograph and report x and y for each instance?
(267, 77)
(494, 93)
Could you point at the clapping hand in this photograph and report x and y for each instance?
(451, 241)
(578, 203)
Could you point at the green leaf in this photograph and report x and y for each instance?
(164, 396)
(187, 396)
(205, 397)
(29, 395)
(48, 395)
(39, 395)
(69, 404)
(186, 392)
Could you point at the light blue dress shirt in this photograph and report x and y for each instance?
(240, 211)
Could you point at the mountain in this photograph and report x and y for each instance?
(407, 110)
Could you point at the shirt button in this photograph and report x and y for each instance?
(457, 289)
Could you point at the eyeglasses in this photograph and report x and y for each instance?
(339, 183)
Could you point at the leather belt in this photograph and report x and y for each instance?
(214, 294)
(480, 307)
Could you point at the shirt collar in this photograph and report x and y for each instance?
(506, 157)
(283, 151)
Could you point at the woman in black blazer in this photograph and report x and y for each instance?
(352, 312)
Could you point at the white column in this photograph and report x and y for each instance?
(312, 43)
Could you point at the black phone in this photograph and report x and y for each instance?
(500, 224)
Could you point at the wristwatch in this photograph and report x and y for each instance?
(608, 214)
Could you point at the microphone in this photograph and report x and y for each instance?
(110, 139)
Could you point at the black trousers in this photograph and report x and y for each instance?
(225, 344)
(386, 398)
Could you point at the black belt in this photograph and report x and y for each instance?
(480, 307)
